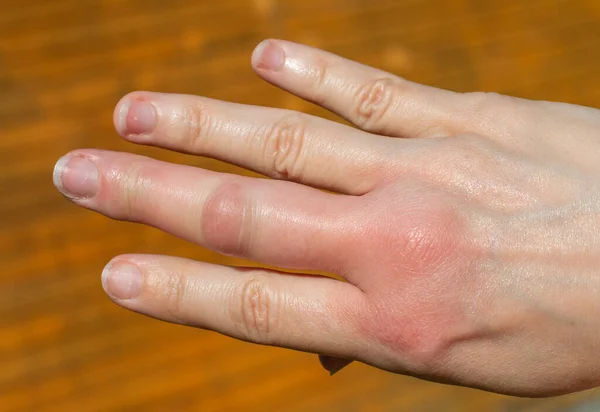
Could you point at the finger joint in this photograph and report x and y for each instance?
(175, 291)
(256, 312)
(284, 146)
(132, 181)
(227, 220)
(196, 126)
(489, 112)
(320, 76)
(374, 100)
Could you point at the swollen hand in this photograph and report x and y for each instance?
(466, 226)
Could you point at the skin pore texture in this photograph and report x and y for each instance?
(466, 225)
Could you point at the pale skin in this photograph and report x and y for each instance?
(466, 225)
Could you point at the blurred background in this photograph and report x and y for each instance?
(65, 63)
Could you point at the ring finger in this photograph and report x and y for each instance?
(273, 222)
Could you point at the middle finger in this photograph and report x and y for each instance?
(282, 144)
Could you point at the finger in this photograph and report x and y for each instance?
(278, 143)
(307, 313)
(371, 99)
(274, 222)
(333, 364)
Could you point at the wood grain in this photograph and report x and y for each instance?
(65, 63)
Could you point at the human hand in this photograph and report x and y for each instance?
(467, 226)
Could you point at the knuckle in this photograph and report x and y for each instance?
(256, 311)
(483, 102)
(426, 346)
(484, 109)
(226, 221)
(419, 336)
(284, 146)
(320, 74)
(132, 182)
(374, 100)
(175, 292)
(195, 125)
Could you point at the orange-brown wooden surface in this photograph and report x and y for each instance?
(65, 63)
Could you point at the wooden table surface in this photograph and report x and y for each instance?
(65, 63)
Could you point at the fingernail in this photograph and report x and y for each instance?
(76, 177)
(268, 55)
(138, 117)
(122, 280)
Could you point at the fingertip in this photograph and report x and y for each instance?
(135, 114)
(120, 114)
(122, 279)
(268, 55)
(76, 176)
